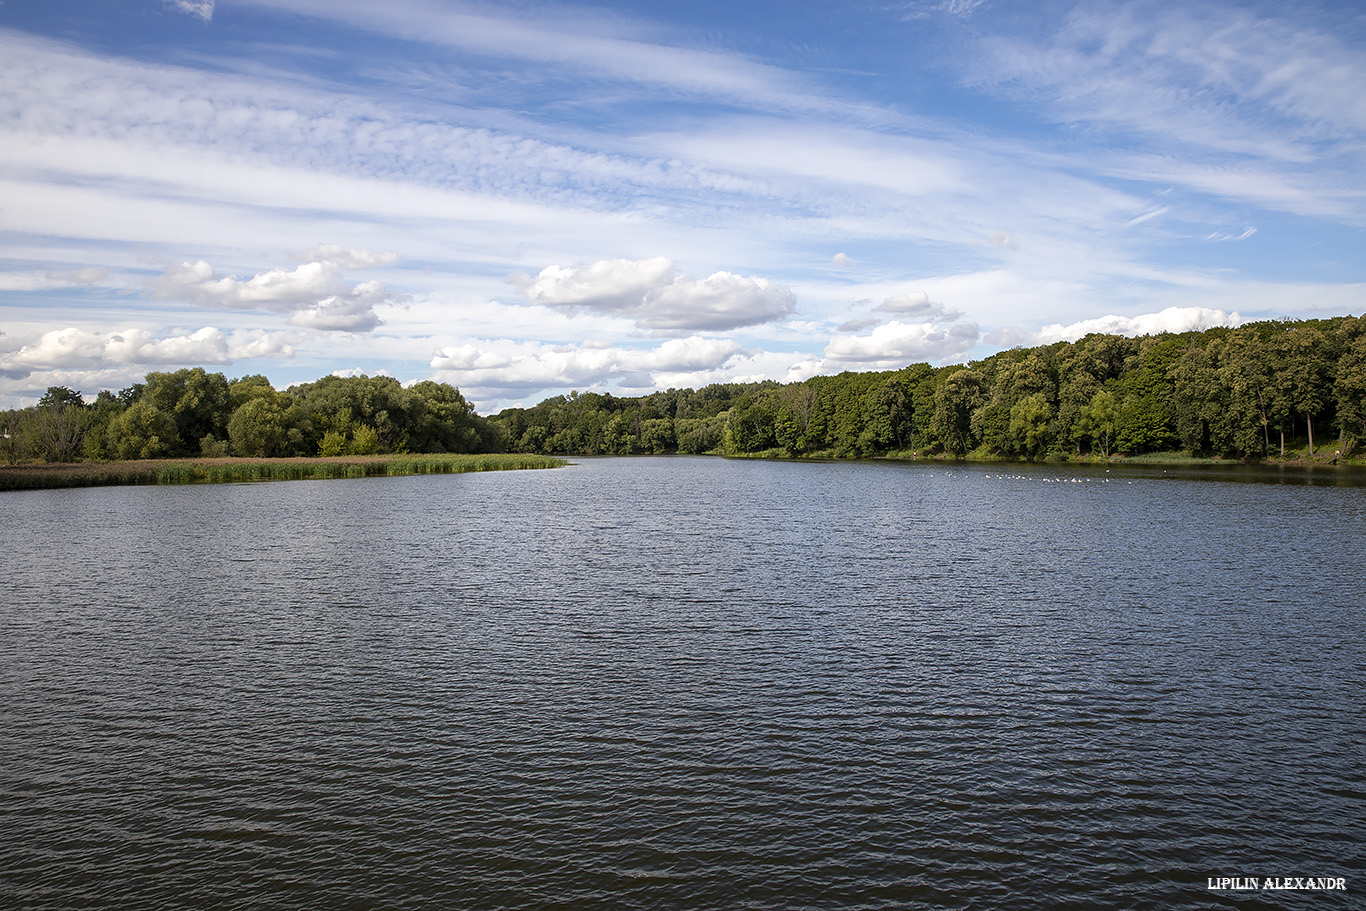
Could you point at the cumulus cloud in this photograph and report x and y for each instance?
(896, 344)
(349, 372)
(912, 307)
(1172, 319)
(80, 348)
(918, 304)
(843, 261)
(201, 8)
(315, 293)
(346, 257)
(247, 345)
(341, 314)
(657, 297)
(131, 352)
(512, 366)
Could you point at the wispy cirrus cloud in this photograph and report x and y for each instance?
(1212, 75)
(50, 279)
(588, 44)
(201, 8)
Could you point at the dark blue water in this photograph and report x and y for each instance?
(683, 683)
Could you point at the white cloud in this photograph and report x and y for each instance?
(897, 344)
(80, 348)
(1207, 74)
(247, 345)
(579, 43)
(346, 257)
(918, 304)
(201, 8)
(657, 297)
(349, 372)
(338, 315)
(51, 280)
(1172, 319)
(314, 293)
(505, 369)
(843, 261)
(921, 9)
(1221, 236)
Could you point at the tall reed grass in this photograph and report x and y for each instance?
(228, 470)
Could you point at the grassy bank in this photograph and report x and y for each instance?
(227, 470)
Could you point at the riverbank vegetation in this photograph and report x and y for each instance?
(194, 413)
(224, 470)
(1263, 391)
(1267, 390)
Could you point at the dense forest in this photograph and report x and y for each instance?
(1249, 392)
(195, 413)
(1245, 392)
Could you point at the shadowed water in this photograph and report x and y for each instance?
(683, 683)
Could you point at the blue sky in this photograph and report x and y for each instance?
(527, 198)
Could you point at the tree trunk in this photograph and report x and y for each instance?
(1308, 420)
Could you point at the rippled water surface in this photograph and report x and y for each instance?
(683, 683)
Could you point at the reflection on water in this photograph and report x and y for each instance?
(683, 682)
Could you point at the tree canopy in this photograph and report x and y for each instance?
(1237, 393)
(1247, 392)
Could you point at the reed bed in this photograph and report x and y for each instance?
(233, 470)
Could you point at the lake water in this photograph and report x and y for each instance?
(685, 683)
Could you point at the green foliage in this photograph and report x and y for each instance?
(364, 440)
(1099, 422)
(333, 444)
(1236, 393)
(198, 402)
(143, 431)
(210, 447)
(1029, 424)
(258, 429)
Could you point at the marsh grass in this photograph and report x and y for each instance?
(230, 470)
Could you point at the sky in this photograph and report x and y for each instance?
(527, 198)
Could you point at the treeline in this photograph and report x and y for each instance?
(1245, 392)
(195, 413)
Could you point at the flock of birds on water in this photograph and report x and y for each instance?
(1025, 477)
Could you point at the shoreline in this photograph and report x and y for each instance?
(228, 470)
(1178, 459)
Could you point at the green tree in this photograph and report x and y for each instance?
(1100, 421)
(198, 401)
(364, 440)
(258, 428)
(962, 393)
(54, 431)
(1349, 392)
(333, 444)
(1029, 424)
(1305, 373)
(142, 431)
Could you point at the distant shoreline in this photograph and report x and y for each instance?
(1356, 461)
(43, 476)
